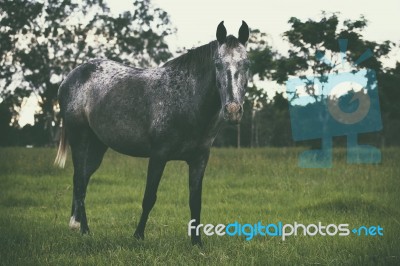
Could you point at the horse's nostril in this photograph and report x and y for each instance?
(233, 108)
(226, 108)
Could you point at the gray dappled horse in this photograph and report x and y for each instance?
(172, 112)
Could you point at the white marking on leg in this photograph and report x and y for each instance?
(73, 224)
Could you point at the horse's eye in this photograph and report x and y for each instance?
(246, 63)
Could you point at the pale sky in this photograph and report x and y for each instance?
(196, 22)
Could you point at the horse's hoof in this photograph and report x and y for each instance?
(85, 232)
(139, 236)
(73, 224)
(197, 242)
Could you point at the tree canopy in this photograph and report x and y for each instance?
(41, 41)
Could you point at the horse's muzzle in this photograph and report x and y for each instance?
(233, 112)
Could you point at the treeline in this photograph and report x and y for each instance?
(41, 41)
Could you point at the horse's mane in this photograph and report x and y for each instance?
(200, 55)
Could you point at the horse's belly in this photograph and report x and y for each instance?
(132, 150)
(129, 147)
(127, 139)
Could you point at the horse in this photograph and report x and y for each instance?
(170, 112)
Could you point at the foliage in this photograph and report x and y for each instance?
(310, 40)
(42, 41)
(389, 95)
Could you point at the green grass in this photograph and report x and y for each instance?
(240, 185)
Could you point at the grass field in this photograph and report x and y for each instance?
(240, 185)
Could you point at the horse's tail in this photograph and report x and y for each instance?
(62, 149)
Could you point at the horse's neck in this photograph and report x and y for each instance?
(206, 90)
(195, 71)
(208, 102)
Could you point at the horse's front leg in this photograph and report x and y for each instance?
(154, 173)
(197, 167)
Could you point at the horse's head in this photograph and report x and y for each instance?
(232, 67)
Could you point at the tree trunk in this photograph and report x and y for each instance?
(256, 136)
(253, 114)
(238, 136)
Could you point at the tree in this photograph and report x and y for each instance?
(312, 40)
(256, 99)
(261, 56)
(42, 41)
(389, 95)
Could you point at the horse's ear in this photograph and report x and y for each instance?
(221, 33)
(244, 33)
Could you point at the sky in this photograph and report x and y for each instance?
(196, 22)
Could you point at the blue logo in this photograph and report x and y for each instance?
(336, 104)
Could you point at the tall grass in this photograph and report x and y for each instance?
(246, 185)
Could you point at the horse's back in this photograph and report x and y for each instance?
(107, 97)
(89, 84)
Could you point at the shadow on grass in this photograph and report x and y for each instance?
(354, 206)
(34, 242)
(25, 202)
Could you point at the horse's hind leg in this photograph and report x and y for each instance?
(87, 154)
